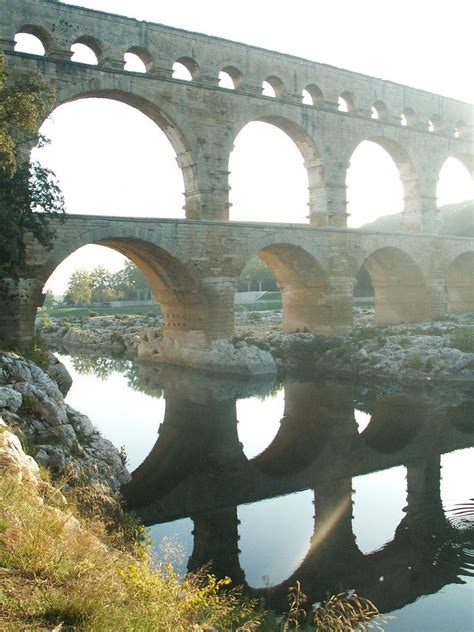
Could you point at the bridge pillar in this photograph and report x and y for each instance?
(206, 172)
(340, 302)
(19, 301)
(333, 544)
(322, 309)
(216, 539)
(219, 294)
(423, 489)
(420, 214)
(327, 193)
(436, 298)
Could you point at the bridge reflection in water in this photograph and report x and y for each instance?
(198, 469)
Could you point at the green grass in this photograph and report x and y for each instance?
(261, 306)
(463, 339)
(77, 312)
(270, 296)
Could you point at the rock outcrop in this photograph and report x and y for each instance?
(221, 355)
(57, 436)
(119, 332)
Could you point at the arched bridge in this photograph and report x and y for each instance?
(193, 264)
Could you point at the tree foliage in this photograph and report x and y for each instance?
(29, 194)
(257, 276)
(100, 285)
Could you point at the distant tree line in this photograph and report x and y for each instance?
(101, 285)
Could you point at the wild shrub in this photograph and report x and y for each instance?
(463, 339)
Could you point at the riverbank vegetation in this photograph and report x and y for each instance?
(58, 572)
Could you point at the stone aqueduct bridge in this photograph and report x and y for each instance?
(194, 263)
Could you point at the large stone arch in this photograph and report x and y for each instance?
(175, 282)
(302, 280)
(410, 177)
(399, 286)
(313, 415)
(164, 114)
(309, 150)
(394, 424)
(466, 159)
(460, 283)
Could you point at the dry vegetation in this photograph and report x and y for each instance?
(96, 574)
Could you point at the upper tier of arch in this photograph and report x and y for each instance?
(59, 26)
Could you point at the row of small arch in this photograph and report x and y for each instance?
(138, 59)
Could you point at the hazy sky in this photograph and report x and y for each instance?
(111, 159)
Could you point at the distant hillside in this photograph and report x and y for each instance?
(455, 219)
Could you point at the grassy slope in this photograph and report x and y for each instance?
(94, 577)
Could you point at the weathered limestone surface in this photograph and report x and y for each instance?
(58, 436)
(193, 351)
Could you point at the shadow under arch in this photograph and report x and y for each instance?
(394, 424)
(399, 286)
(175, 282)
(313, 414)
(305, 292)
(164, 115)
(306, 145)
(460, 283)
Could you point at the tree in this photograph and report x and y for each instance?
(49, 299)
(134, 283)
(29, 194)
(101, 284)
(79, 289)
(256, 272)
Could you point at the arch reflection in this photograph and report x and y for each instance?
(198, 470)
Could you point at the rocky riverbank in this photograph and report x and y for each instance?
(118, 332)
(55, 434)
(441, 349)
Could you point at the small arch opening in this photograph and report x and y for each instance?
(138, 60)
(461, 130)
(435, 123)
(230, 78)
(346, 102)
(408, 117)
(273, 87)
(133, 63)
(30, 43)
(379, 111)
(86, 51)
(186, 69)
(312, 95)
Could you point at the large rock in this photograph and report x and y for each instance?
(220, 356)
(57, 435)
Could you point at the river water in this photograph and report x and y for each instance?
(342, 486)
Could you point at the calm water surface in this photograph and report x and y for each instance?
(339, 485)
